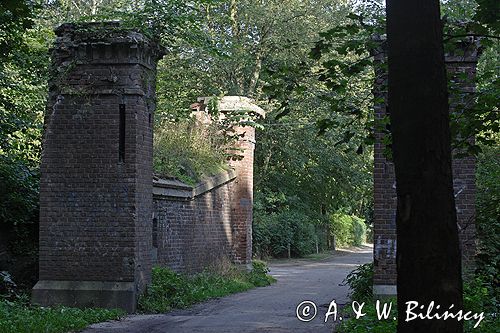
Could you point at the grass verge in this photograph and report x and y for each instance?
(19, 317)
(170, 290)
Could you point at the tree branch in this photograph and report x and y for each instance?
(450, 37)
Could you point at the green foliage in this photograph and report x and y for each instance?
(23, 76)
(170, 290)
(478, 297)
(188, 151)
(163, 20)
(358, 231)
(488, 217)
(369, 322)
(277, 233)
(341, 229)
(348, 230)
(345, 61)
(360, 282)
(17, 317)
(259, 276)
(488, 14)
(15, 17)
(311, 175)
(19, 195)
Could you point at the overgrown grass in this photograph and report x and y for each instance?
(170, 290)
(188, 151)
(19, 317)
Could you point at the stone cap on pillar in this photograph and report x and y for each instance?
(105, 42)
(228, 104)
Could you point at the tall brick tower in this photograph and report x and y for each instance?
(242, 187)
(384, 238)
(96, 172)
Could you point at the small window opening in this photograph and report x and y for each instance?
(121, 143)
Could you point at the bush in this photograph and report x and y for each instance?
(261, 237)
(360, 282)
(369, 322)
(358, 230)
(170, 290)
(18, 194)
(341, 229)
(274, 233)
(478, 297)
(259, 276)
(488, 217)
(348, 230)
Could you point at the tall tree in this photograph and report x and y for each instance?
(428, 255)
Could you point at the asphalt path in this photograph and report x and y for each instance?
(269, 309)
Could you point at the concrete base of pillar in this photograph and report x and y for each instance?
(384, 290)
(249, 266)
(84, 294)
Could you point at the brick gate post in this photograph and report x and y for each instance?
(96, 171)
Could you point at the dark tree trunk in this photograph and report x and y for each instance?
(428, 254)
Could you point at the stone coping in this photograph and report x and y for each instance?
(234, 103)
(174, 188)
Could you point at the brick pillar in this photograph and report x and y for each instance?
(462, 70)
(384, 230)
(242, 187)
(242, 197)
(96, 172)
(384, 204)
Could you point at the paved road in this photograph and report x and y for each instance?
(263, 310)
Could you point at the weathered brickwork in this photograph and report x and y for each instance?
(100, 230)
(193, 231)
(242, 198)
(95, 190)
(462, 69)
(214, 225)
(385, 184)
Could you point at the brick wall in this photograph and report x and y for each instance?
(206, 225)
(95, 188)
(385, 243)
(211, 223)
(193, 228)
(242, 188)
(462, 70)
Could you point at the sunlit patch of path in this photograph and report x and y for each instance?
(263, 310)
